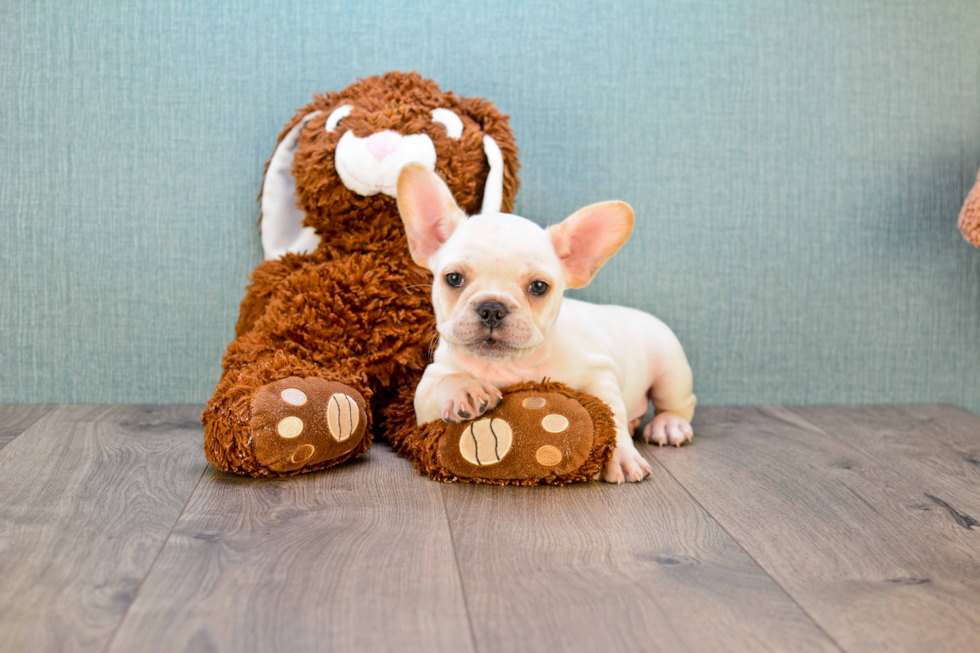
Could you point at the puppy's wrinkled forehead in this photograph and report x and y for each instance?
(499, 240)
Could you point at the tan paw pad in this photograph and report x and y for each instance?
(486, 441)
(554, 423)
(302, 453)
(548, 455)
(534, 403)
(290, 427)
(293, 396)
(342, 416)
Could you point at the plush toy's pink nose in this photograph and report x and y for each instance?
(383, 143)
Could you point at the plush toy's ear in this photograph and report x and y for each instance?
(428, 210)
(493, 192)
(282, 221)
(970, 216)
(501, 152)
(587, 238)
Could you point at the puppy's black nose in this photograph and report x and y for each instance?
(492, 313)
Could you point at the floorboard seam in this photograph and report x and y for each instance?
(752, 558)
(153, 564)
(459, 575)
(28, 427)
(849, 443)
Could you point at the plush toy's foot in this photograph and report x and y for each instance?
(539, 434)
(305, 422)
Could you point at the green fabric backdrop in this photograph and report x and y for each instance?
(796, 168)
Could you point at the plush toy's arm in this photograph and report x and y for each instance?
(265, 279)
(970, 216)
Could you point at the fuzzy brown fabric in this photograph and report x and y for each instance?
(349, 327)
(970, 216)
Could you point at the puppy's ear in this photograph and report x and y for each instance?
(588, 237)
(428, 210)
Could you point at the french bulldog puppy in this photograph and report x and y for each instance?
(501, 317)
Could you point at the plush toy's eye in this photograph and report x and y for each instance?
(537, 288)
(454, 279)
(449, 120)
(338, 114)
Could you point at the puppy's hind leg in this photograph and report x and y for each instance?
(673, 400)
(667, 428)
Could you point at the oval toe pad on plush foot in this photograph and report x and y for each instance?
(301, 422)
(531, 436)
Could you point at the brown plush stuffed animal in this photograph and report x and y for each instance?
(336, 326)
(970, 216)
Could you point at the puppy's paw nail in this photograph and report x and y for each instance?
(483, 406)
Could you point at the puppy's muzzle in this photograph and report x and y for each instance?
(492, 314)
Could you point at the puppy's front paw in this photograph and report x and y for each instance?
(470, 400)
(626, 465)
(667, 428)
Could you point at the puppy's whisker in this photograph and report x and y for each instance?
(433, 343)
(418, 285)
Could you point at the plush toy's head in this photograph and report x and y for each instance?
(337, 162)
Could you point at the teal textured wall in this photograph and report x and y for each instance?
(796, 169)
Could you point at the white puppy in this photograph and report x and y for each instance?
(501, 318)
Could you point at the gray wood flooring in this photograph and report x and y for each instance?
(778, 529)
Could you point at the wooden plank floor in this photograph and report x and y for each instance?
(778, 529)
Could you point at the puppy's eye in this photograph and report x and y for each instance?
(454, 279)
(449, 120)
(337, 115)
(537, 288)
